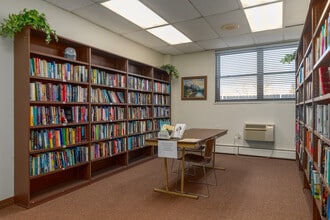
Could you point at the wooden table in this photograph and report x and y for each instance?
(203, 135)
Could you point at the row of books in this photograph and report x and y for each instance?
(61, 71)
(138, 141)
(161, 112)
(57, 93)
(309, 141)
(108, 148)
(139, 126)
(322, 122)
(309, 62)
(161, 99)
(59, 137)
(138, 98)
(109, 79)
(325, 201)
(319, 179)
(300, 95)
(161, 87)
(108, 131)
(324, 80)
(138, 83)
(158, 123)
(323, 40)
(52, 115)
(50, 161)
(300, 112)
(308, 90)
(301, 76)
(309, 115)
(107, 96)
(107, 113)
(315, 184)
(139, 112)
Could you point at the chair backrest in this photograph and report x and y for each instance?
(209, 149)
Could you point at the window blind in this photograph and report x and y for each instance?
(255, 74)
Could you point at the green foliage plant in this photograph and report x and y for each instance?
(16, 22)
(288, 58)
(171, 70)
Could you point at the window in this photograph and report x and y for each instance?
(255, 74)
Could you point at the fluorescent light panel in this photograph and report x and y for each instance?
(169, 34)
(136, 12)
(266, 17)
(249, 3)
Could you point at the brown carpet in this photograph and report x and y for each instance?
(250, 188)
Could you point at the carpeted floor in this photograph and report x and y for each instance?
(251, 188)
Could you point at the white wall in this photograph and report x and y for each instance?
(66, 25)
(232, 116)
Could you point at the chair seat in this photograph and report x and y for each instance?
(195, 158)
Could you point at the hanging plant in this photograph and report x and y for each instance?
(171, 70)
(16, 22)
(288, 58)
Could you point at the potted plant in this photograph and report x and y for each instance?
(16, 22)
(288, 58)
(171, 70)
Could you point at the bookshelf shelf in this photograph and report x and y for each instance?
(313, 106)
(77, 120)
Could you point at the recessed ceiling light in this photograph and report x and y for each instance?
(136, 12)
(249, 3)
(230, 27)
(169, 34)
(265, 17)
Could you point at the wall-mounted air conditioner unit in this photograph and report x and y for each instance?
(259, 132)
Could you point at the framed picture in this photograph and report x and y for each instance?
(194, 88)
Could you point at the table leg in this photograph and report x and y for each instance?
(213, 165)
(166, 174)
(182, 171)
(167, 191)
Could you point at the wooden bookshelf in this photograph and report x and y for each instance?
(313, 105)
(75, 120)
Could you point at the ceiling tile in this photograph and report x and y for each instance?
(145, 38)
(171, 50)
(263, 37)
(104, 17)
(237, 41)
(210, 7)
(189, 47)
(197, 29)
(233, 17)
(70, 5)
(173, 11)
(295, 12)
(293, 33)
(212, 44)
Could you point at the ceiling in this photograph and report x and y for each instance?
(199, 20)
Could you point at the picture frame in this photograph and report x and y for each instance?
(194, 88)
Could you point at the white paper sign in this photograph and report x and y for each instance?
(167, 149)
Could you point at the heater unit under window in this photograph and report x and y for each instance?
(259, 132)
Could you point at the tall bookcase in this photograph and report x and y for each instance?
(313, 106)
(79, 120)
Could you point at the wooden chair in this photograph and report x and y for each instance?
(203, 160)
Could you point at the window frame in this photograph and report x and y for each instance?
(259, 74)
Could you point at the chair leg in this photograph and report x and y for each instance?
(206, 183)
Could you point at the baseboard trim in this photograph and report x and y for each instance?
(259, 152)
(6, 202)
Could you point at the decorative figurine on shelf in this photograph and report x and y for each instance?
(70, 53)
